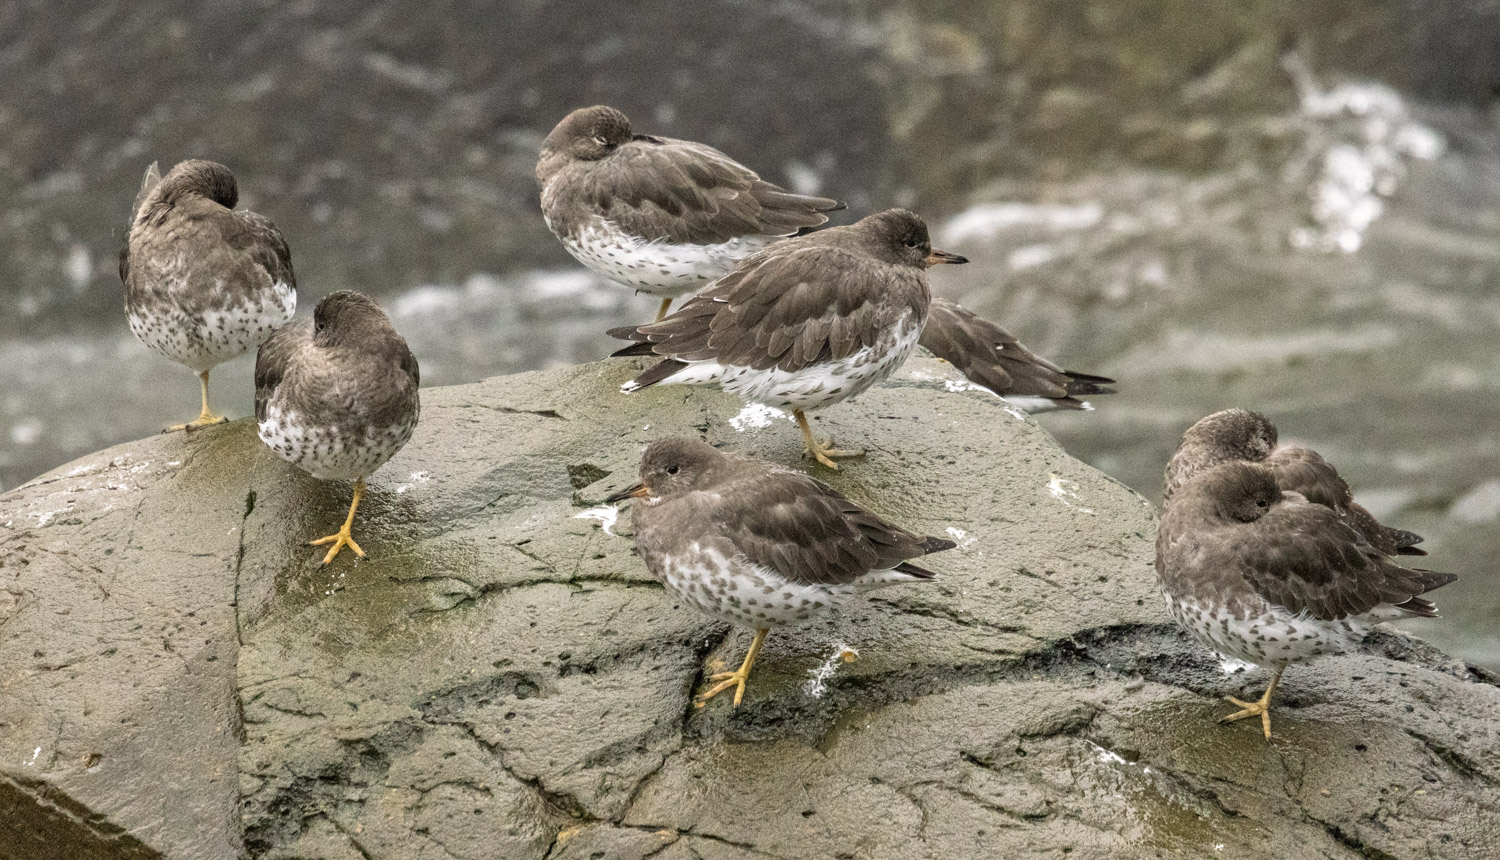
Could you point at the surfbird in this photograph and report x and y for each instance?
(991, 357)
(760, 546)
(340, 400)
(1239, 435)
(1268, 577)
(661, 215)
(804, 324)
(203, 283)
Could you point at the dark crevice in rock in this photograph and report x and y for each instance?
(1459, 762)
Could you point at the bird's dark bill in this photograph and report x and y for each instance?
(937, 258)
(633, 492)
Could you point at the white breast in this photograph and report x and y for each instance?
(658, 267)
(328, 454)
(1275, 637)
(813, 387)
(205, 339)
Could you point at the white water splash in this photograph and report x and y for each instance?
(817, 685)
(607, 515)
(1360, 144)
(416, 479)
(961, 537)
(987, 220)
(755, 416)
(1108, 756)
(1058, 486)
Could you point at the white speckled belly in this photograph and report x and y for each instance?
(325, 454)
(814, 387)
(659, 268)
(1275, 637)
(207, 338)
(739, 592)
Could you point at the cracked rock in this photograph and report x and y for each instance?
(180, 677)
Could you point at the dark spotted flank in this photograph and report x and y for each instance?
(804, 324)
(1268, 577)
(760, 546)
(339, 401)
(203, 283)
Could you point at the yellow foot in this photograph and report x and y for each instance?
(726, 680)
(207, 419)
(1251, 709)
(339, 540)
(826, 455)
(737, 678)
(1260, 708)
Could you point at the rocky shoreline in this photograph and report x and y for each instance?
(501, 678)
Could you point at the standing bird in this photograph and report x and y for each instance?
(663, 216)
(760, 546)
(1269, 577)
(804, 324)
(203, 283)
(1239, 435)
(340, 401)
(990, 357)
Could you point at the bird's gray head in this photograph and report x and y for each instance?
(1234, 434)
(1227, 436)
(1241, 492)
(589, 133)
(205, 178)
(674, 467)
(347, 318)
(900, 237)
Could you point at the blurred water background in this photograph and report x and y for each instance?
(1285, 206)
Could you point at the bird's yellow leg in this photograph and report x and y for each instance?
(1260, 709)
(820, 450)
(341, 538)
(661, 313)
(205, 416)
(736, 678)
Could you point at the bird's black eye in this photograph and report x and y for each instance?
(321, 326)
(672, 470)
(910, 242)
(1260, 503)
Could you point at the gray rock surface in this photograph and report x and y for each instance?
(179, 676)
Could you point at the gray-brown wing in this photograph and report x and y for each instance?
(809, 532)
(689, 193)
(789, 307)
(1304, 557)
(255, 234)
(1304, 471)
(990, 356)
(273, 360)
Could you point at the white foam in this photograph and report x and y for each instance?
(607, 515)
(817, 685)
(1361, 142)
(961, 537)
(1058, 486)
(989, 219)
(755, 416)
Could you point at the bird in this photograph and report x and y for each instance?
(1239, 435)
(758, 545)
(204, 283)
(340, 400)
(992, 358)
(660, 215)
(1264, 575)
(804, 324)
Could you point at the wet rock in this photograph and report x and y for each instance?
(501, 677)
